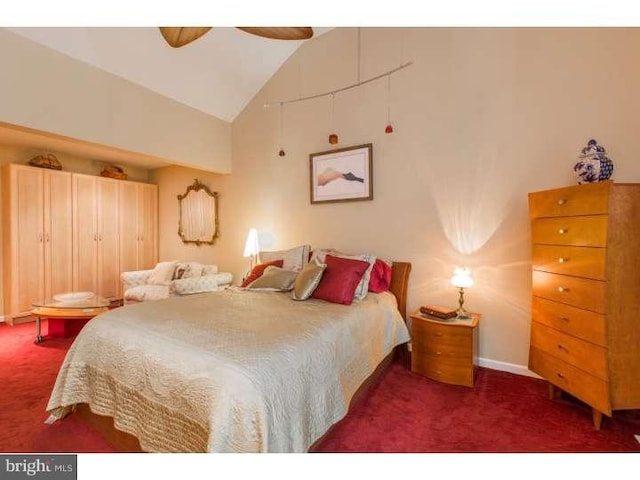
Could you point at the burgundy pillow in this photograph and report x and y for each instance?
(340, 279)
(258, 270)
(380, 278)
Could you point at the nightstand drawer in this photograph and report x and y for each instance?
(572, 320)
(443, 370)
(587, 231)
(441, 334)
(577, 352)
(580, 292)
(585, 262)
(561, 202)
(592, 390)
(445, 351)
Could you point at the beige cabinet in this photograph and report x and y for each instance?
(586, 278)
(138, 218)
(96, 230)
(37, 236)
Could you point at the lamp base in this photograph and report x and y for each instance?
(462, 314)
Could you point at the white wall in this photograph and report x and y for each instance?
(45, 90)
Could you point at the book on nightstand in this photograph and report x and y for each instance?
(438, 312)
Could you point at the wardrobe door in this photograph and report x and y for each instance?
(129, 236)
(27, 238)
(85, 235)
(58, 220)
(108, 228)
(147, 226)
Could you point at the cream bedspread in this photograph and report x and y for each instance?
(229, 371)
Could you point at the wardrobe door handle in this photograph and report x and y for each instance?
(562, 201)
(40, 238)
(46, 237)
(562, 231)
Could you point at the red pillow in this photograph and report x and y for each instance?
(340, 279)
(380, 278)
(258, 270)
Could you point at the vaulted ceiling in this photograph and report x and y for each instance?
(218, 74)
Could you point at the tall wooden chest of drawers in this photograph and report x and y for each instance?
(585, 329)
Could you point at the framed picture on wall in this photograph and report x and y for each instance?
(342, 175)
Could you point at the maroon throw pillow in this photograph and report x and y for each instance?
(380, 278)
(340, 279)
(258, 270)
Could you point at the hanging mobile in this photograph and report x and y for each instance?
(333, 138)
(389, 127)
(281, 152)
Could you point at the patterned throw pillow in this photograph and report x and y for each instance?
(274, 278)
(340, 279)
(258, 270)
(188, 270)
(293, 259)
(308, 280)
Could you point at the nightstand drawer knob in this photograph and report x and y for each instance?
(562, 201)
(562, 231)
(438, 353)
(563, 289)
(563, 348)
(564, 319)
(438, 334)
(560, 375)
(563, 259)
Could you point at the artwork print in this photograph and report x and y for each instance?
(341, 175)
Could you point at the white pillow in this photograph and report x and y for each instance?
(363, 287)
(162, 273)
(292, 259)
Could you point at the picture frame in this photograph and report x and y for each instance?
(342, 175)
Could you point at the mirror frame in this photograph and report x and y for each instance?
(196, 187)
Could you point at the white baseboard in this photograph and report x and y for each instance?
(506, 367)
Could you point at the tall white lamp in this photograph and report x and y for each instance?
(462, 279)
(252, 248)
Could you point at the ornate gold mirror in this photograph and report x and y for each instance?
(198, 215)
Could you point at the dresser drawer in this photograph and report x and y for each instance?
(588, 231)
(591, 390)
(441, 335)
(583, 200)
(579, 292)
(575, 351)
(572, 320)
(586, 262)
(443, 370)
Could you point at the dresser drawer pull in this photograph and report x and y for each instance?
(564, 319)
(563, 348)
(438, 353)
(560, 375)
(563, 259)
(563, 289)
(562, 231)
(438, 334)
(562, 201)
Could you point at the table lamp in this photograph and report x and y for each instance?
(462, 279)
(252, 248)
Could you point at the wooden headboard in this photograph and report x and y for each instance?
(400, 284)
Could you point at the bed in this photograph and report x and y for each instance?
(229, 371)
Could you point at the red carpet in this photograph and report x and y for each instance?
(405, 412)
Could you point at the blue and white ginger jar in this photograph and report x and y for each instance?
(593, 164)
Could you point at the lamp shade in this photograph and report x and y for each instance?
(462, 278)
(251, 246)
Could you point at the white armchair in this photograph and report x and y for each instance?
(169, 279)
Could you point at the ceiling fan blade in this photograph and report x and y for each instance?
(180, 36)
(280, 33)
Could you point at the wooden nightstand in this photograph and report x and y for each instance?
(445, 350)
